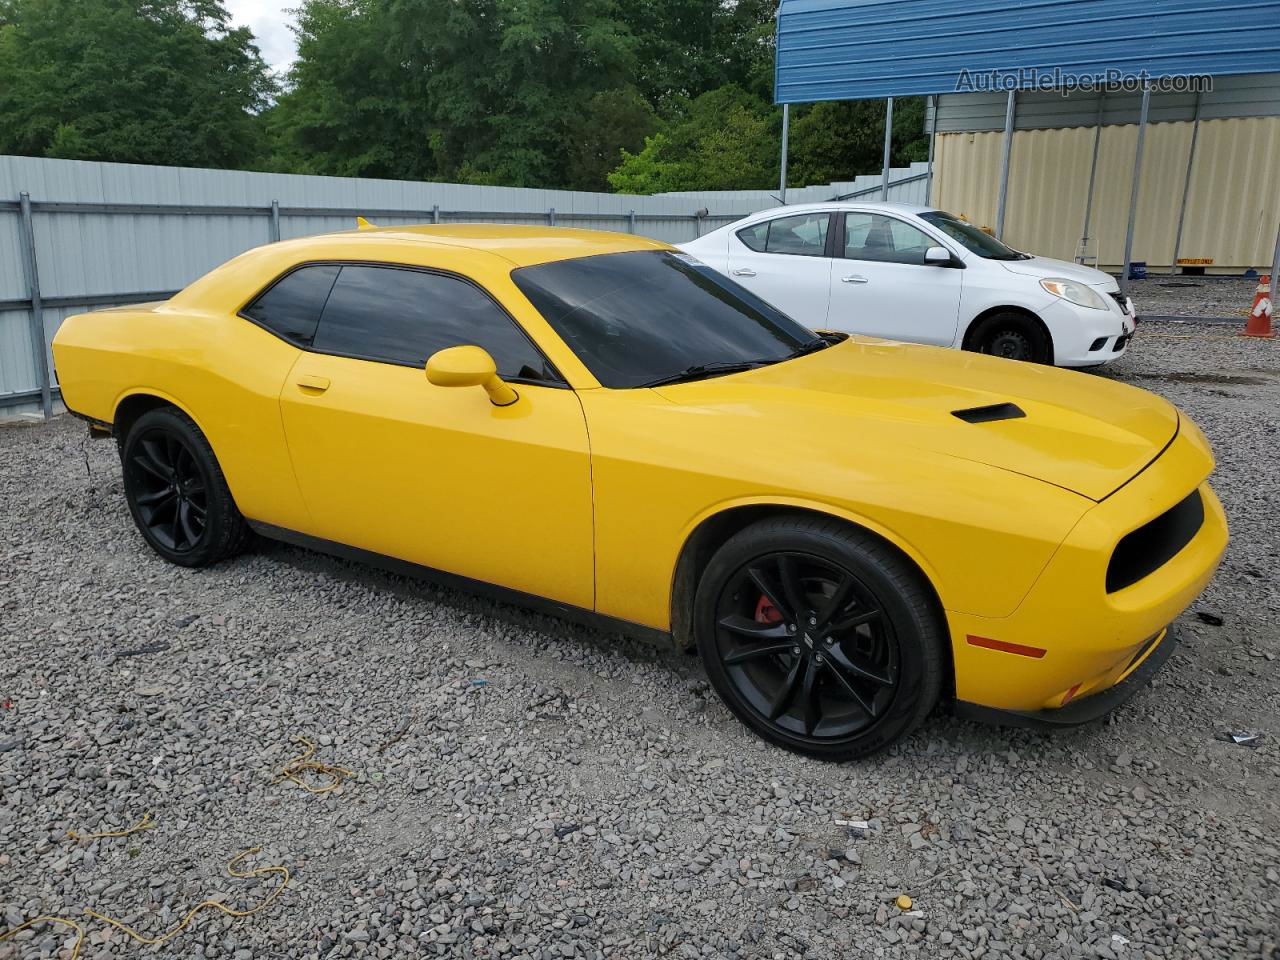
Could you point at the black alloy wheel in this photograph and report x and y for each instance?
(170, 492)
(176, 491)
(820, 637)
(807, 645)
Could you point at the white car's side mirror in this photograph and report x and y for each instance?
(937, 257)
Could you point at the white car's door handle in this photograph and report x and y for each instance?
(744, 272)
(854, 279)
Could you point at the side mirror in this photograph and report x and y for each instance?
(937, 257)
(470, 367)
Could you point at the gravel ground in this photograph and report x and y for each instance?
(1193, 296)
(524, 788)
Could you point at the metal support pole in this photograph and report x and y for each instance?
(275, 221)
(551, 217)
(1186, 189)
(39, 348)
(697, 225)
(786, 132)
(1134, 189)
(1004, 161)
(888, 147)
(933, 136)
(631, 221)
(1275, 274)
(1093, 176)
(435, 213)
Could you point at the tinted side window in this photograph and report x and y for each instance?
(870, 236)
(291, 306)
(404, 316)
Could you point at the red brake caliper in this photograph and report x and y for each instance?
(766, 612)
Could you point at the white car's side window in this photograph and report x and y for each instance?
(804, 235)
(873, 236)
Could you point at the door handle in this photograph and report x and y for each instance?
(854, 279)
(313, 384)
(743, 272)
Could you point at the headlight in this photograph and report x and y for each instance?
(1073, 292)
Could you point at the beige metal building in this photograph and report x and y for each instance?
(1228, 138)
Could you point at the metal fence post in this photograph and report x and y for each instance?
(435, 213)
(1010, 107)
(1275, 273)
(1135, 187)
(888, 147)
(1093, 177)
(1186, 189)
(275, 221)
(933, 138)
(631, 221)
(40, 349)
(551, 217)
(786, 134)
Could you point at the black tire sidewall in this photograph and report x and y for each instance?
(220, 520)
(993, 326)
(894, 583)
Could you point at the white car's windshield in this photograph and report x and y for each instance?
(978, 241)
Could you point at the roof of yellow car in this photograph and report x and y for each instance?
(521, 245)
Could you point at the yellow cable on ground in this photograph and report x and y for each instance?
(75, 952)
(146, 823)
(294, 770)
(206, 905)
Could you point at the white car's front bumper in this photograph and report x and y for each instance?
(1083, 337)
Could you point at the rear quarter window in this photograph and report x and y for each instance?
(291, 307)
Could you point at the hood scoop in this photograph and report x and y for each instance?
(990, 413)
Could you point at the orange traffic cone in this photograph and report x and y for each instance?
(1259, 322)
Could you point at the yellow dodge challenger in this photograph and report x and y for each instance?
(848, 530)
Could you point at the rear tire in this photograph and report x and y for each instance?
(820, 637)
(177, 493)
(1014, 336)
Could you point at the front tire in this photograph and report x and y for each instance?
(177, 493)
(1014, 336)
(821, 638)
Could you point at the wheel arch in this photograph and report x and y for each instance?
(968, 341)
(714, 528)
(133, 404)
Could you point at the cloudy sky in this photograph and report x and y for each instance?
(270, 24)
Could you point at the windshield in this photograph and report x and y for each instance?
(637, 318)
(980, 242)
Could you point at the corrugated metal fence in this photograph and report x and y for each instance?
(76, 235)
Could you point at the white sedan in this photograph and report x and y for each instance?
(907, 272)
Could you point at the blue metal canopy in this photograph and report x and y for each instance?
(860, 49)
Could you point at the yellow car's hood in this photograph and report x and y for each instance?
(1078, 431)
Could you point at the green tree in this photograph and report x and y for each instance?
(347, 111)
(506, 81)
(138, 81)
(685, 48)
(840, 139)
(611, 122)
(725, 140)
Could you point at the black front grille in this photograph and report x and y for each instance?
(1151, 546)
(1119, 298)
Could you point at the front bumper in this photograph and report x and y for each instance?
(1086, 709)
(1069, 639)
(1087, 338)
